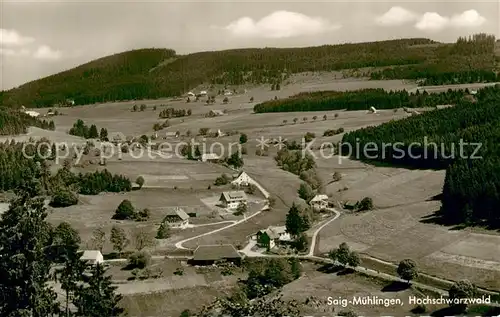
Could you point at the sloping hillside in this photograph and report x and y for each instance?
(154, 73)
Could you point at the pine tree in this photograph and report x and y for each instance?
(98, 298)
(69, 276)
(294, 221)
(103, 135)
(24, 262)
(92, 132)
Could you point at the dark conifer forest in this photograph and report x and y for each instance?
(16, 122)
(155, 73)
(471, 192)
(359, 100)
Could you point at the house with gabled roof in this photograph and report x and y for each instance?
(92, 257)
(210, 157)
(242, 180)
(233, 199)
(268, 238)
(177, 218)
(319, 201)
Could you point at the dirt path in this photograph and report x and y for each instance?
(315, 234)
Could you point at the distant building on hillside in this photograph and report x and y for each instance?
(172, 134)
(177, 218)
(92, 257)
(210, 157)
(210, 254)
(216, 113)
(33, 114)
(233, 199)
(319, 202)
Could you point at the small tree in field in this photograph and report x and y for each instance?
(140, 181)
(365, 204)
(124, 211)
(142, 238)
(118, 239)
(315, 118)
(325, 117)
(305, 192)
(285, 121)
(407, 270)
(243, 138)
(163, 231)
(295, 120)
(345, 256)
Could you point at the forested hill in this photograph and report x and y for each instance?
(154, 73)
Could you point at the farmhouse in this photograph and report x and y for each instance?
(92, 257)
(350, 205)
(33, 114)
(209, 254)
(232, 199)
(215, 113)
(319, 201)
(171, 134)
(177, 218)
(242, 180)
(269, 237)
(209, 157)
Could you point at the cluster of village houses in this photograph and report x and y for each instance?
(268, 238)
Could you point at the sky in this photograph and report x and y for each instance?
(39, 38)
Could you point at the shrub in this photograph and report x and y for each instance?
(139, 260)
(365, 204)
(124, 211)
(163, 231)
(64, 198)
(243, 138)
(309, 137)
(222, 180)
(179, 271)
(143, 215)
(140, 181)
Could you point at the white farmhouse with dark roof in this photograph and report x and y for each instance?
(242, 180)
(92, 257)
(209, 157)
(233, 199)
(177, 218)
(319, 201)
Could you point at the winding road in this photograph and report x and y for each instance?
(179, 245)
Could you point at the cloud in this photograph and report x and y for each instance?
(432, 21)
(12, 37)
(45, 52)
(12, 52)
(469, 18)
(396, 16)
(280, 24)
